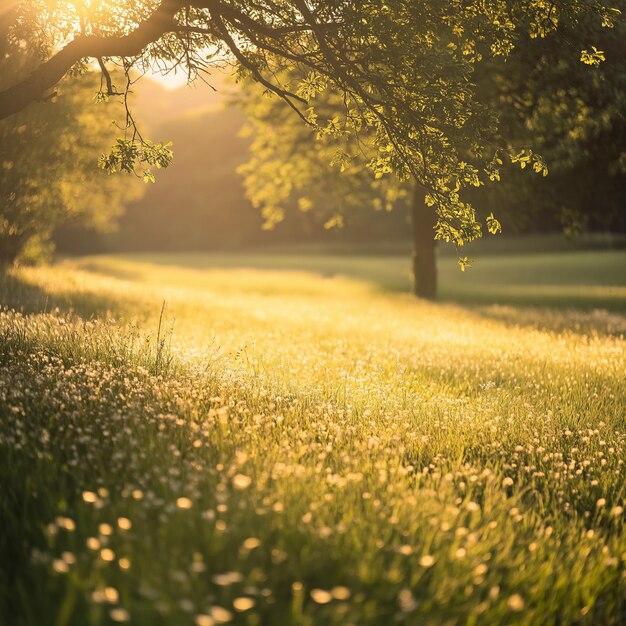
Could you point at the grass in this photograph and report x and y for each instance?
(286, 447)
(581, 279)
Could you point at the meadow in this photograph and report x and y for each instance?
(292, 440)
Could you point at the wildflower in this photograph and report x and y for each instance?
(60, 566)
(111, 594)
(243, 604)
(107, 555)
(66, 523)
(480, 570)
(119, 615)
(515, 603)
(92, 543)
(406, 600)
(90, 497)
(221, 615)
(428, 560)
(227, 578)
(68, 557)
(183, 503)
(241, 481)
(251, 543)
(340, 593)
(320, 596)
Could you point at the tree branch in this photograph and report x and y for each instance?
(48, 74)
(287, 96)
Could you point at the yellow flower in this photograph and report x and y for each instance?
(251, 543)
(243, 604)
(241, 481)
(107, 555)
(89, 496)
(320, 596)
(516, 603)
(428, 560)
(119, 615)
(221, 615)
(340, 593)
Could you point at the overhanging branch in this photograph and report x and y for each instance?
(48, 74)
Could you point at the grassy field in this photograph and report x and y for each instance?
(311, 447)
(579, 279)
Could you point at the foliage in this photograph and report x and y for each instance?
(47, 165)
(542, 96)
(403, 71)
(575, 117)
(295, 166)
(348, 456)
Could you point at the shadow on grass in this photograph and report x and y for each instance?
(599, 321)
(559, 307)
(577, 280)
(20, 295)
(583, 298)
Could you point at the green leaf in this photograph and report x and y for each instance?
(493, 225)
(464, 263)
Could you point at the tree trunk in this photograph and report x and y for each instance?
(423, 221)
(10, 246)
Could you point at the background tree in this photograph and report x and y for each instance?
(48, 172)
(403, 70)
(291, 168)
(568, 111)
(574, 114)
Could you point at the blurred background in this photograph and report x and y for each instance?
(199, 202)
(563, 238)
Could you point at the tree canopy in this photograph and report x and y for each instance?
(570, 112)
(574, 114)
(404, 72)
(47, 166)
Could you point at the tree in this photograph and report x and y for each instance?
(291, 169)
(574, 114)
(47, 164)
(571, 113)
(403, 71)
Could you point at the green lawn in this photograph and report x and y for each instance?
(291, 441)
(581, 279)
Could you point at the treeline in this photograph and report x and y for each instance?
(200, 203)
